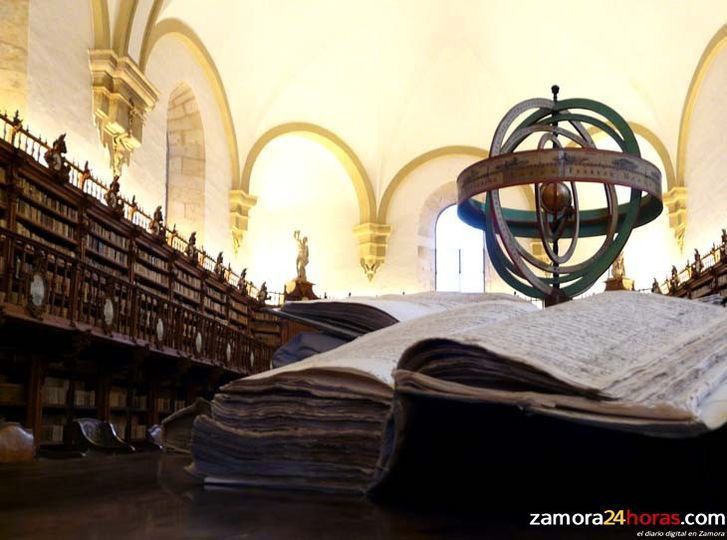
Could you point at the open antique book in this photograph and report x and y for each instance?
(642, 363)
(354, 316)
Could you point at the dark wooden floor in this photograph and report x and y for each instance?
(148, 495)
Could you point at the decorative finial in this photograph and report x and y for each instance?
(555, 89)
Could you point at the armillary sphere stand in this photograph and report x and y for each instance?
(554, 173)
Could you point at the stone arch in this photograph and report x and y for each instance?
(711, 51)
(658, 145)
(179, 30)
(672, 180)
(411, 166)
(123, 25)
(332, 142)
(675, 196)
(151, 21)
(185, 193)
(421, 160)
(101, 26)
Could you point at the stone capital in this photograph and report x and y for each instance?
(373, 239)
(675, 201)
(240, 204)
(122, 97)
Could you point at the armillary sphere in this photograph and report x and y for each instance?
(554, 170)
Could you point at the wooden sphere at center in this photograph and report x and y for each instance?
(556, 196)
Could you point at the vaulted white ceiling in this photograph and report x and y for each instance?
(395, 79)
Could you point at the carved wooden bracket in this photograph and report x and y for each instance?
(373, 239)
(122, 97)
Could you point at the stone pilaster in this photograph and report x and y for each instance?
(122, 97)
(373, 240)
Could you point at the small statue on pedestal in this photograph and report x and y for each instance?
(241, 283)
(263, 295)
(55, 159)
(698, 264)
(219, 266)
(303, 256)
(16, 124)
(618, 280)
(655, 287)
(156, 227)
(191, 250)
(674, 279)
(113, 198)
(618, 269)
(300, 288)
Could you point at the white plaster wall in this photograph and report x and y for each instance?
(59, 79)
(170, 64)
(14, 56)
(395, 79)
(300, 185)
(401, 271)
(412, 214)
(60, 100)
(706, 160)
(410, 93)
(652, 248)
(649, 253)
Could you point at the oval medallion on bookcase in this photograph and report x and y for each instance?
(38, 285)
(198, 343)
(159, 331)
(108, 308)
(109, 313)
(228, 352)
(37, 294)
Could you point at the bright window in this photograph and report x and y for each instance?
(460, 254)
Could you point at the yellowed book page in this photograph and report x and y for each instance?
(377, 353)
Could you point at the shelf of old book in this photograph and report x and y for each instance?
(13, 390)
(238, 313)
(96, 268)
(49, 229)
(215, 302)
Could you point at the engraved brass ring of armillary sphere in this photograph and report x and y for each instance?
(554, 171)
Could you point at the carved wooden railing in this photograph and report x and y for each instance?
(76, 293)
(705, 274)
(20, 137)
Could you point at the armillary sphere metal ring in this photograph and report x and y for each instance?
(558, 167)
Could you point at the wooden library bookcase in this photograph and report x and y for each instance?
(104, 311)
